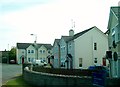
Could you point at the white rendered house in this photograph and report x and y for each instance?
(84, 49)
(28, 52)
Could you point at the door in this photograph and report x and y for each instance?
(22, 60)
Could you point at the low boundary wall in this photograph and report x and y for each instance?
(48, 80)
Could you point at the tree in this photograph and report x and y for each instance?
(12, 54)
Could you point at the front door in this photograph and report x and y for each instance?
(22, 60)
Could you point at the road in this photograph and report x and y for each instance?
(9, 71)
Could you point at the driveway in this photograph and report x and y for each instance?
(9, 71)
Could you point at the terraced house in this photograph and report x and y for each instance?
(28, 52)
(81, 50)
(114, 41)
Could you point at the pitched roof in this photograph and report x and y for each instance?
(57, 41)
(67, 38)
(81, 33)
(23, 45)
(26, 45)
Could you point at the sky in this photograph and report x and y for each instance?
(49, 19)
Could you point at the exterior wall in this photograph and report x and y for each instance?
(21, 53)
(84, 48)
(113, 20)
(63, 52)
(31, 56)
(56, 54)
(71, 50)
(42, 53)
(114, 30)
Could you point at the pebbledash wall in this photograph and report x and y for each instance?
(48, 80)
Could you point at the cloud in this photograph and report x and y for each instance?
(50, 19)
(13, 5)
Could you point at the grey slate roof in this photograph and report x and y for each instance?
(23, 45)
(57, 41)
(80, 33)
(67, 38)
(26, 45)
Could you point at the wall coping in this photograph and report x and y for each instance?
(57, 75)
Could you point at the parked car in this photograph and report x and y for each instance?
(12, 61)
(39, 63)
(102, 69)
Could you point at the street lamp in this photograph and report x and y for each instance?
(35, 37)
(36, 47)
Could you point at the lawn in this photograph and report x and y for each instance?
(17, 82)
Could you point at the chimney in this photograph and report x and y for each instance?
(71, 32)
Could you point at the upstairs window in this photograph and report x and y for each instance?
(32, 51)
(40, 51)
(70, 45)
(43, 51)
(28, 51)
(95, 46)
(22, 51)
(48, 51)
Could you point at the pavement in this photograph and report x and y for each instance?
(9, 71)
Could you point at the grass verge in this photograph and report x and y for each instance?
(16, 82)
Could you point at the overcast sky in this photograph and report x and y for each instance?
(49, 19)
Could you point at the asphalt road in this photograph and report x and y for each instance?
(9, 71)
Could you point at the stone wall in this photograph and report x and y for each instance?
(48, 80)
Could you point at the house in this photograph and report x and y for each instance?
(4, 56)
(84, 49)
(28, 52)
(89, 48)
(56, 53)
(114, 41)
(63, 50)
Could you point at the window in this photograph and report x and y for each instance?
(22, 51)
(113, 31)
(62, 64)
(95, 61)
(43, 51)
(40, 51)
(95, 46)
(48, 51)
(28, 51)
(32, 51)
(64, 47)
(28, 59)
(80, 62)
(70, 45)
